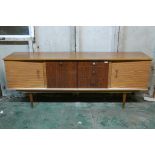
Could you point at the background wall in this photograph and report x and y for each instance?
(55, 38)
(96, 38)
(85, 38)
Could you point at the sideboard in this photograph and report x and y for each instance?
(122, 72)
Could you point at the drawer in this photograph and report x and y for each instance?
(92, 74)
(91, 63)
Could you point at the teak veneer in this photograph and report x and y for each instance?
(78, 72)
(111, 56)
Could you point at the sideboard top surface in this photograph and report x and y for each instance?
(113, 56)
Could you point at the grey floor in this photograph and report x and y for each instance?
(69, 111)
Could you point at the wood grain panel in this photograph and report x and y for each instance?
(130, 74)
(61, 74)
(92, 74)
(114, 56)
(25, 74)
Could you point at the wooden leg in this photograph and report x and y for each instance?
(31, 99)
(124, 100)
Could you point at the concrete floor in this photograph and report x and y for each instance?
(67, 111)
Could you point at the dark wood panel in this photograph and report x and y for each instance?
(61, 74)
(92, 74)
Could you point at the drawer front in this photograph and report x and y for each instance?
(92, 74)
(61, 74)
(91, 63)
(130, 74)
(25, 74)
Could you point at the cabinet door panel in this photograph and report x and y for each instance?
(25, 74)
(130, 74)
(61, 74)
(92, 74)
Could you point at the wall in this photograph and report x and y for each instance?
(55, 38)
(137, 38)
(81, 38)
(96, 38)
(66, 38)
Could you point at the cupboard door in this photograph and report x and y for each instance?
(25, 74)
(130, 74)
(61, 74)
(92, 74)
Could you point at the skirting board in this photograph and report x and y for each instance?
(149, 99)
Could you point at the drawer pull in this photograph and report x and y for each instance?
(94, 63)
(38, 74)
(116, 73)
(105, 62)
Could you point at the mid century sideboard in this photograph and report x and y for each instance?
(78, 72)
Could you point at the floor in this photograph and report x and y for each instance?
(76, 111)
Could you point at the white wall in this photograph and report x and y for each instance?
(97, 38)
(137, 38)
(87, 38)
(55, 38)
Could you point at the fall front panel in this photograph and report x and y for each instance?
(92, 74)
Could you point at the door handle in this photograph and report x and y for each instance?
(116, 73)
(38, 74)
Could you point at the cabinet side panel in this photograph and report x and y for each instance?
(130, 74)
(24, 74)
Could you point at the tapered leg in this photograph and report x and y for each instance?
(31, 100)
(124, 100)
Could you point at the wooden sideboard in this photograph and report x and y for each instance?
(78, 72)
